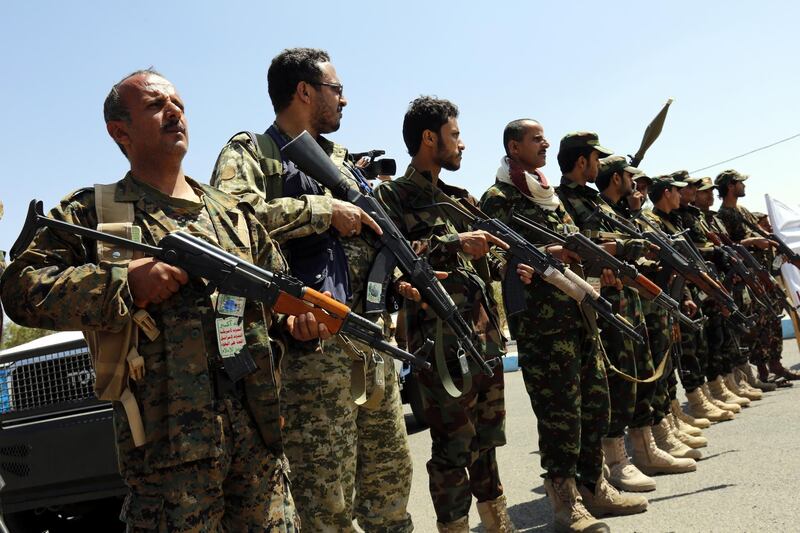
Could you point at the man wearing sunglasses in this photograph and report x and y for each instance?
(336, 448)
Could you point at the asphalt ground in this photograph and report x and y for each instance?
(748, 480)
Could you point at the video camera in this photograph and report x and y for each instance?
(376, 167)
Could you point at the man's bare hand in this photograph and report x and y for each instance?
(407, 290)
(609, 279)
(690, 308)
(153, 281)
(562, 254)
(348, 219)
(476, 243)
(306, 328)
(757, 242)
(525, 273)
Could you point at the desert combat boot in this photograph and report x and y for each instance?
(685, 422)
(746, 371)
(569, 513)
(621, 472)
(494, 516)
(701, 407)
(668, 442)
(713, 391)
(460, 525)
(650, 459)
(605, 500)
(741, 388)
(690, 440)
(721, 391)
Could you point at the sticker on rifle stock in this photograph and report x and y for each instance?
(230, 305)
(374, 292)
(230, 335)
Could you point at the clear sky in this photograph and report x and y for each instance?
(732, 68)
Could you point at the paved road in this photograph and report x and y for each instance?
(748, 481)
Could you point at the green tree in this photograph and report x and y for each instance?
(14, 335)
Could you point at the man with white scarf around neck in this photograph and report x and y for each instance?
(558, 354)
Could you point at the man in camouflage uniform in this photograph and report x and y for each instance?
(615, 183)
(213, 457)
(348, 460)
(656, 449)
(558, 351)
(765, 350)
(466, 430)
(695, 344)
(722, 336)
(666, 197)
(579, 161)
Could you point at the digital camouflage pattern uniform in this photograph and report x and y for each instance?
(211, 462)
(559, 357)
(580, 202)
(465, 431)
(765, 342)
(347, 461)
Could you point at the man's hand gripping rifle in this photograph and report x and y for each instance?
(396, 251)
(688, 268)
(548, 267)
(630, 276)
(237, 277)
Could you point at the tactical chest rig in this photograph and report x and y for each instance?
(268, 155)
(115, 356)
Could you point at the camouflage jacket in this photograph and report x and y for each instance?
(580, 202)
(57, 283)
(238, 172)
(692, 219)
(433, 232)
(550, 311)
(734, 220)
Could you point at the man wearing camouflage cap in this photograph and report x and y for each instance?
(722, 336)
(765, 351)
(615, 183)
(658, 448)
(579, 159)
(695, 344)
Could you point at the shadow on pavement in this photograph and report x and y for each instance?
(681, 495)
(713, 455)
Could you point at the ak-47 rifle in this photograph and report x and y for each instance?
(778, 243)
(235, 276)
(548, 267)
(688, 268)
(762, 284)
(630, 276)
(396, 251)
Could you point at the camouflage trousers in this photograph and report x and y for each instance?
(694, 352)
(629, 357)
(763, 343)
(464, 432)
(244, 488)
(655, 397)
(347, 461)
(722, 346)
(566, 380)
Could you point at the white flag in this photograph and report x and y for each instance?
(786, 225)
